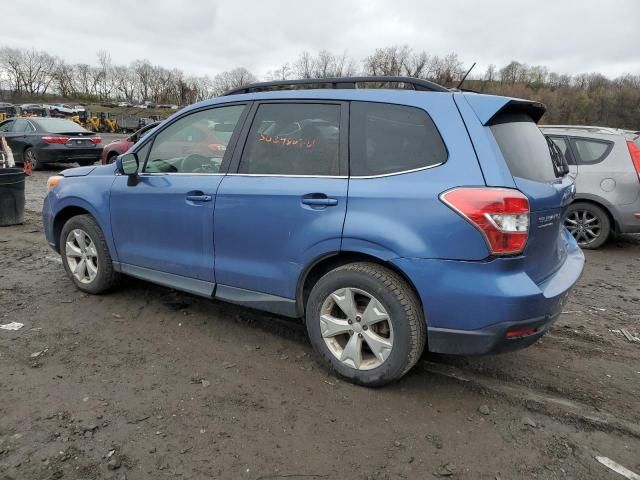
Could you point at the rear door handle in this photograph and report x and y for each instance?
(198, 197)
(320, 202)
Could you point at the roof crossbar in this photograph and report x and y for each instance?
(338, 82)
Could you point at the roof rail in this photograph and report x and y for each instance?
(338, 82)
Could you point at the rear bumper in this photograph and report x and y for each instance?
(470, 306)
(492, 339)
(62, 154)
(625, 217)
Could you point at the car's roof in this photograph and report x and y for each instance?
(584, 129)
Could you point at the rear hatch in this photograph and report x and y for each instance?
(546, 185)
(543, 179)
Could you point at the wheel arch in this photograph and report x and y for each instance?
(62, 217)
(325, 263)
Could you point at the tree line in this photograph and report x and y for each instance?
(588, 98)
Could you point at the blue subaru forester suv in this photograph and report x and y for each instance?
(387, 218)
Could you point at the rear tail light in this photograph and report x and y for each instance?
(96, 140)
(634, 151)
(50, 139)
(501, 214)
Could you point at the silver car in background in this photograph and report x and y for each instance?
(605, 163)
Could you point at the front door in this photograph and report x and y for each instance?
(164, 223)
(286, 203)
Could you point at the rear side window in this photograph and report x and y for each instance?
(523, 147)
(293, 139)
(392, 138)
(591, 151)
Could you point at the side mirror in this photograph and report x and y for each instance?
(128, 164)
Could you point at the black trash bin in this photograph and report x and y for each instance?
(11, 196)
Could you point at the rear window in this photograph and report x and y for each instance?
(59, 125)
(524, 147)
(392, 138)
(591, 151)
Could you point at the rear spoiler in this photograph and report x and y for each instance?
(487, 107)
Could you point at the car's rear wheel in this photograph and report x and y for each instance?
(31, 162)
(85, 255)
(588, 223)
(366, 323)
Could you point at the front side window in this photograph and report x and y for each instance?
(389, 138)
(293, 139)
(591, 151)
(196, 143)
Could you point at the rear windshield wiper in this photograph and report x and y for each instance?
(560, 165)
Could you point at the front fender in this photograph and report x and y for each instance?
(88, 193)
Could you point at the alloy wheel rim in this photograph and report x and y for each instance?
(82, 256)
(584, 226)
(356, 328)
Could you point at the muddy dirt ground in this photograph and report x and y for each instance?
(149, 383)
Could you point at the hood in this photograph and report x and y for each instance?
(78, 171)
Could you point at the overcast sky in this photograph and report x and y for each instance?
(209, 36)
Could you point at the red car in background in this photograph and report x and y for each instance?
(190, 140)
(118, 147)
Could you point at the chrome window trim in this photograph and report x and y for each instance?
(283, 175)
(367, 177)
(402, 172)
(155, 174)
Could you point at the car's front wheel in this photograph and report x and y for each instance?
(366, 323)
(85, 255)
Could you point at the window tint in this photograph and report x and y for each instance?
(293, 139)
(392, 138)
(6, 126)
(591, 151)
(191, 145)
(563, 145)
(523, 146)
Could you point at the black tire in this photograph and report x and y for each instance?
(30, 156)
(578, 224)
(112, 157)
(106, 277)
(404, 314)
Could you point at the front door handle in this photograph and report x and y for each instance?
(320, 202)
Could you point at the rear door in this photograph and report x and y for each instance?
(527, 155)
(606, 168)
(285, 203)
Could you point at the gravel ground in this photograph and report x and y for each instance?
(148, 383)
